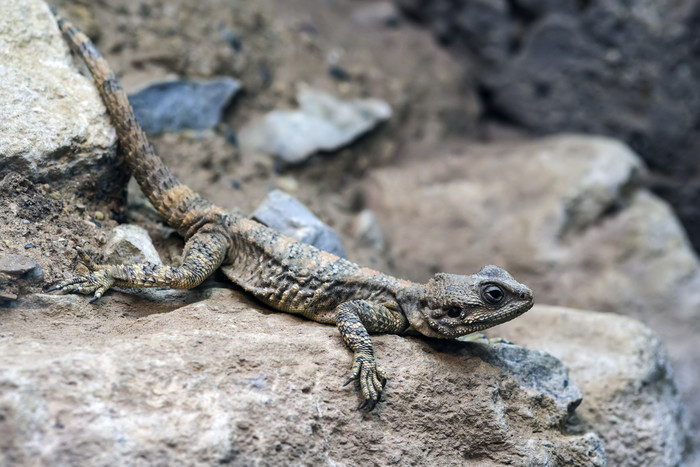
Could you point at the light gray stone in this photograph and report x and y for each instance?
(130, 244)
(322, 123)
(54, 127)
(287, 215)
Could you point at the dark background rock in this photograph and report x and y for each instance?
(180, 105)
(625, 69)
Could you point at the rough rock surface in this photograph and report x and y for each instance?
(322, 123)
(221, 380)
(53, 127)
(286, 214)
(627, 69)
(180, 105)
(565, 217)
(622, 367)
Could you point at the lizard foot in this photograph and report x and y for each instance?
(371, 377)
(96, 282)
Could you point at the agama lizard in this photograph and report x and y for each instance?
(281, 272)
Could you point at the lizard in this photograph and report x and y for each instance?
(281, 272)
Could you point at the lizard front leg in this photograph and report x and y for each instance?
(355, 319)
(203, 254)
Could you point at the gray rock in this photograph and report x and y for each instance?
(180, 105)
(286, 214)
(130, 244)
(630, 397)
(566, 216)
(16, 265)
(322, 123)
(54, 128)
(219, 382)
(635, 65)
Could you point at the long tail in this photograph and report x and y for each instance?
(175, 202)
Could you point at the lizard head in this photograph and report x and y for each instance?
(452, 305)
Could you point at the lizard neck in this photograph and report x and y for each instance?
(409, 300)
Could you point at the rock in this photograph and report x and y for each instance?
(322, 123)
(286, 214)
(220, 382)
(16, 265)
(180, 105)
(368, 231)
(630, 397)
(53, 127)
(565, 216)
(635, 64)
(376, 14)
(130, 244)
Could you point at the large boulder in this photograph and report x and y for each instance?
(630, 396)
(223, 380)
(566, 216)
(54, 128)
(628, 69)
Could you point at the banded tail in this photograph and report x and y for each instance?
(181, 207)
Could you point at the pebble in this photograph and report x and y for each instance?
(99, 215)
(16, 265)
(180, 105)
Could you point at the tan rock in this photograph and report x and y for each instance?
(53, 126)
(222, 381)
(630, 397)
(566, 216)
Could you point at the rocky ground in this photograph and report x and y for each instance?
(216, 377)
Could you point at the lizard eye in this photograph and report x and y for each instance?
(454, 312)
(493, 294)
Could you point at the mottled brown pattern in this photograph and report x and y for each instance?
(281, 272)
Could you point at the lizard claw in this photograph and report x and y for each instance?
(371, 378)
(96, 282)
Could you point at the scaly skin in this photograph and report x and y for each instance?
(285, 274)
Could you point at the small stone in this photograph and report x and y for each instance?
(130, 244)
(287, 215)
(322, 123)
(80, 206)
(16, 265)
(181, 105)
(368, 231)
(55, 195)
(99, 215)
(287, 183)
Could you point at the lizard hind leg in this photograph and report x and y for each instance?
(203, 254)
(96, 282)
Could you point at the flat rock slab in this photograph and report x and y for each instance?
(180, 105)
(322, 123)
(16, 265)
(220, 381)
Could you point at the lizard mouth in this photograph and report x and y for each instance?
(468, 323)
